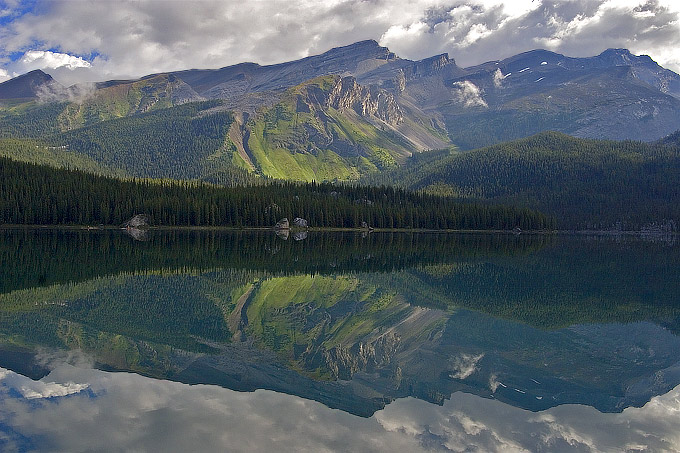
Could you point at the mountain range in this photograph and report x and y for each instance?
(361, 113)
(358, 109)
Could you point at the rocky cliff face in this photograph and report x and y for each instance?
(396, 74)
(365, 100)
(427, 66)
(344, 361)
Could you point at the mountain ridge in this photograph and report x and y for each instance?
(433, 103)
(353, 58)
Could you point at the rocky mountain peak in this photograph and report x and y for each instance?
(427, 66)
(368, 49)
(644, 69)
(435, 62)
(25, 86)
(623, 57)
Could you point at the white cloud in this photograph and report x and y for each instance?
(494, 383)
(472, 32)
(130, 39)
(52, 60)
(30, 389)
(470, 423)
(66, 68)
(498, 78)
(469, 94)
(58, 93)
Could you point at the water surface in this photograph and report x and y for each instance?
(408, 340)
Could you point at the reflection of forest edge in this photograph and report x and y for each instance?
(544, 281)
(32, 258)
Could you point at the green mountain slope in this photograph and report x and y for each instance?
(584, 183)
(328, 128)
(331, 128)
(54, 108)
(118, 100)
(29, 119)
(184, 142)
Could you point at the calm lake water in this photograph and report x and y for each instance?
(248, 341)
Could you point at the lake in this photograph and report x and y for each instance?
(250, 341)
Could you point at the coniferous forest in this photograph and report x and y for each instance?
(41, 195)
(585, 184)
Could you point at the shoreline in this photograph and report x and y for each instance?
(608, 233)
(272, 229)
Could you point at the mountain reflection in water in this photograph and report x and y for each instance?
(354, 323)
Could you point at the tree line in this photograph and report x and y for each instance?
(40, 195)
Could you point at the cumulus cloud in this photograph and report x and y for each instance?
(468, 94)
(473, 33)
(39, 59)
(111, 39)
(128, 39)
(134, 413)
(56, 92)
(470, 423)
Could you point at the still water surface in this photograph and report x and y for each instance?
(248, 341)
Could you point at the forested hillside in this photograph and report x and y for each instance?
(583, 183)
(360, 113)
(185, 142)
(39, 152)
(33, 194)
(326, 129)
(189, 141)
(29, 119)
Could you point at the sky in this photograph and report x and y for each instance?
(94, 40)
(79, 409)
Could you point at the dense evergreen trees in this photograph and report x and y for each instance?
(188, 141)
(33, 194)
(29, 120)
(39, 152)
(181, 143)
(586, 184)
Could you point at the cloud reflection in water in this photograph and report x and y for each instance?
(76, 409)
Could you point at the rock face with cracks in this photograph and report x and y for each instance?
(365, 100)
